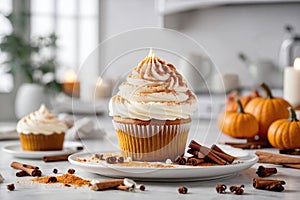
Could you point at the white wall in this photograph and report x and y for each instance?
(118, 16)
(257, 30)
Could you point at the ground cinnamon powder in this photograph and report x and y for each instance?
(65, 179)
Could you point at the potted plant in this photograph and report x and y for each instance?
(34, 61)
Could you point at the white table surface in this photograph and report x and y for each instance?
(154, 190)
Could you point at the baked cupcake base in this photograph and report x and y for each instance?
(152, 140)
(42, 142)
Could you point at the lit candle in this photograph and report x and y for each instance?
(102, 89)
(291, 85)
(70, 84)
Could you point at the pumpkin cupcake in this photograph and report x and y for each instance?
(41, 131)
(152, 111)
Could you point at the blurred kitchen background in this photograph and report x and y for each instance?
(248, 41)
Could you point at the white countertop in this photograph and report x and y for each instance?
(154, 190)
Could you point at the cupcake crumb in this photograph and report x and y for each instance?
(169, 161)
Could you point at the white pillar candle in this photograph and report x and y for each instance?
(102, 89)
(291, 84)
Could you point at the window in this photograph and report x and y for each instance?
(6, 79)
(75, 22)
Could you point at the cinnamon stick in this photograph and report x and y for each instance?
(266, 157)
(262, 182)
(216, 148)
(107, 184)
(222, 154)
(211, 155)
(196, 153)
(290, 151)
(123, 187)
(268, 184)
(56, 158)
(207, 152)
(195, 145)
(295, 166)
(195, 161)
(275, 187)
(180, 160)
(30, 166)
(29, 169)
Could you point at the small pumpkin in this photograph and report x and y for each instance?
(238, 124)
(285, 133)
(267, 110)
(231, 104)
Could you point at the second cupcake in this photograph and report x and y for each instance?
(41, 131)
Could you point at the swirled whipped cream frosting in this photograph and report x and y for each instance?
(41, 122)
(153, 90)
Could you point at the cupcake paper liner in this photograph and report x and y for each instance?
(152, 142)
(41, 142)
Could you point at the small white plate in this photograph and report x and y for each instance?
(16, 150)
(176, 174)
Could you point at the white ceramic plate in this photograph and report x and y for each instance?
(178, 174)
(16, 150)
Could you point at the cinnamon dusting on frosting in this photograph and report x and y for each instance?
(41, 122)
(154, 69)
(154, 90)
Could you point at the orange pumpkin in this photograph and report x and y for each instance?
(285, 133)
(231, 104)
(267, 110)
(238, 124)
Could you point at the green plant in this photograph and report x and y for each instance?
(28, 56)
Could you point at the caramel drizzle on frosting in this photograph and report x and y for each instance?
(152, 65)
